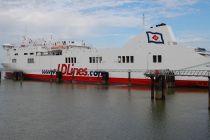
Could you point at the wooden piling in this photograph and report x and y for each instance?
(21, 77)
(209, 91)
(51, 76)
(105, 77)
(158, 88)
(152, 87)
(59, 76)
(129, 78)
(163, 87)
(72, 77)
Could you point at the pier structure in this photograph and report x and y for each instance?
(18, 76)
(161, 80)
(59, 76)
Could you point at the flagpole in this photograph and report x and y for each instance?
(143, 21)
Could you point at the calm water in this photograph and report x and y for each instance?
(44, 111)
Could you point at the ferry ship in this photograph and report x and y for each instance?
(154, 49)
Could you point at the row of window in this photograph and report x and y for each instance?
(71, 60)
(125, 59)
(30, 60)
(121, 59)
(95, 59)
(157, 58)
(55, 52)
(25, 53)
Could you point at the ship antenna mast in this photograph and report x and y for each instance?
(143, 21)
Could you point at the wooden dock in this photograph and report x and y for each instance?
(161, 80)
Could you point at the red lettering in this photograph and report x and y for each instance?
(85, 72)
(69, 70)
(80, 71)
(76, 71)
(58, 67)
(63, 68)
(72, 71)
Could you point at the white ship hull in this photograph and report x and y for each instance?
(124, 65)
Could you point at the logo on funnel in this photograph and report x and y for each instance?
(155, 37)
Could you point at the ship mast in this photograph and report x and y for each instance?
(143, 20)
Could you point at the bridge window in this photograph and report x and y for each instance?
(31, 53)
(95, 59)
(100, 59)
(90, 59)
(71, 60)
(159, 58)
(25, 53)
(125, 59)
(132, 59)
(154, 58)
(14, 60)
(30, 60)
(16, 53)
(75, 60)
(119, 59)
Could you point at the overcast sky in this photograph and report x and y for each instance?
(103, 23)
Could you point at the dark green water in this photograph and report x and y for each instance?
(44, 111)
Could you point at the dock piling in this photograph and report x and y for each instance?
(163, 84)
(129, 78)
(59, 76)
(105, 77)
(158, 87)
(163, 81)
(51, 76)
(209, 91)
(152, 87)
(21, 78)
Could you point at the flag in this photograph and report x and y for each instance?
(155, 37)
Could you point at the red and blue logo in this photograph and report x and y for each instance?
(155, 37)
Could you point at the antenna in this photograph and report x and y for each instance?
(26, 30)
(143, 20)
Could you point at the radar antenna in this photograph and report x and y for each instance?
(143, 21)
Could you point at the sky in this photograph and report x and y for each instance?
(103, 23)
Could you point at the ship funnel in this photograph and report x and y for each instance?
(159, 35)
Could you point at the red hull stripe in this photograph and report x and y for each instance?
(112, 80)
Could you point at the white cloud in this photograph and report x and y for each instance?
(81, 18)
(194, 39)
(176, 3)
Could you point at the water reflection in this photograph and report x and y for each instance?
(80, 111)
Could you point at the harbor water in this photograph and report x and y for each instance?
(50, 111)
